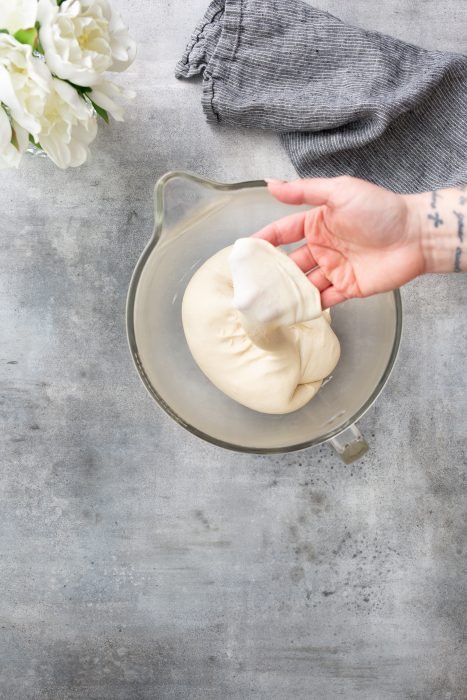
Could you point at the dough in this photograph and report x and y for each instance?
(254, 325)
(269, 289)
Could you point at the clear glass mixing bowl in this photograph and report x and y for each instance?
(194, 218)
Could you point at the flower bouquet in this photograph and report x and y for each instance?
(53, 58)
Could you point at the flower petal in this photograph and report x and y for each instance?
(17, 14)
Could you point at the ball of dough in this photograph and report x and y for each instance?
(279, 376)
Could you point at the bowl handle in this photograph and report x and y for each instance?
(350, 445)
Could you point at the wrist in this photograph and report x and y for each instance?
(434, 222)
(416, 230)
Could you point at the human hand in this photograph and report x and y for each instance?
(360, 239)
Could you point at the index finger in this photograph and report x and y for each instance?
(287, 230)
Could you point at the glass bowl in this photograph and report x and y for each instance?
(194, 218)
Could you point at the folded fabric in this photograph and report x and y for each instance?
(345, 100)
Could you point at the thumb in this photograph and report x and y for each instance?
(314, 191)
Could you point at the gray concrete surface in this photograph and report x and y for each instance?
(137, 561)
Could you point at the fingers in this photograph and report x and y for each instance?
(331, 297)
(313, 191)
(303, 258)
(329, 294)
(287, 230)
(319, 279)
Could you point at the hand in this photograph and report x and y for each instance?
(359, 239)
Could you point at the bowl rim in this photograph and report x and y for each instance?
(131, 335)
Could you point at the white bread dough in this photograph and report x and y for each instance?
(267, 289)
(246, 316)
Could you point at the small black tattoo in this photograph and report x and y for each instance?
(462, 200)
(437, 220)
(457, 260)
(460, 225)
(434, 198)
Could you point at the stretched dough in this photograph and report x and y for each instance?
(246, 315)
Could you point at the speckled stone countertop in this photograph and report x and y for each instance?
(139, 562)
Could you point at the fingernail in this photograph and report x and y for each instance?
(274, 181)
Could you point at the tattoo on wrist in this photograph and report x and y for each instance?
(460, 225)
(437, 220)
(434, 198)
(460, 235)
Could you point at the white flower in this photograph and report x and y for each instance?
(13, 142)
(84, 38)
(68, 126)
(104, 93)
(17, 14)
(24, 83)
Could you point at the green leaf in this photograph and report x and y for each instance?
(4, 31)
(100, 111)
(14, 139)
(26, 36)
(35, 143)
(79, 88)
(39, 48)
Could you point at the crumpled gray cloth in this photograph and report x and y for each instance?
(344, 100)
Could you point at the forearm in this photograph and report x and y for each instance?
(439, 218)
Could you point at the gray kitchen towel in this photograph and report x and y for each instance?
(345, 100)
